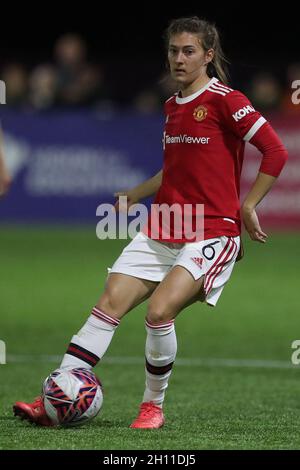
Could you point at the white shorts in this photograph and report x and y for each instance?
(149, 259)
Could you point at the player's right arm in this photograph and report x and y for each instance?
(143, 190)
(5, 179)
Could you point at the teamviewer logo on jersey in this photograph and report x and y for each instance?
(243, 112)
(185, 139)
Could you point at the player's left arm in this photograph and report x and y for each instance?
(274, 156)
(260, 188)
(249, 125)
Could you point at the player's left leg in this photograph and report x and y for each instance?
(199, 273)
(178, 290)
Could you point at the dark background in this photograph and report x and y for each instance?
(249, 29)
(129, 39)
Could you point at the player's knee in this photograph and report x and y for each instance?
(157, 314)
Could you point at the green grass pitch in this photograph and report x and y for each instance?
(233, 387)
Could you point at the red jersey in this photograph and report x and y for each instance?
(204, 141)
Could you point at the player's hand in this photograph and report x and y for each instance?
(5, 182)
(131, 200)
(252, 225)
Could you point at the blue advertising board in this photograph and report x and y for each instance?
(64, 164)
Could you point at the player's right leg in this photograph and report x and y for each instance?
(122, 293)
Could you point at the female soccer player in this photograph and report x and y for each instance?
(207, 125)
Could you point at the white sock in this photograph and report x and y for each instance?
(91, 342)
(161, 348)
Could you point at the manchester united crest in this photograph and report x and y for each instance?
(200, 113)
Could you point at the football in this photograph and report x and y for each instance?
(72, 396)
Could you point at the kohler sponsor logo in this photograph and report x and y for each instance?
(243, 112)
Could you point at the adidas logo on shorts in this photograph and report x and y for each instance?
(198, 261)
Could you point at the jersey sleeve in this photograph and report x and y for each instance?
(240, 117)
(274, 154)
(248, 124)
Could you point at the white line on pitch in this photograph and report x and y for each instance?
(193, 362)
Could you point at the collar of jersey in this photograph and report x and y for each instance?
(189, 98)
